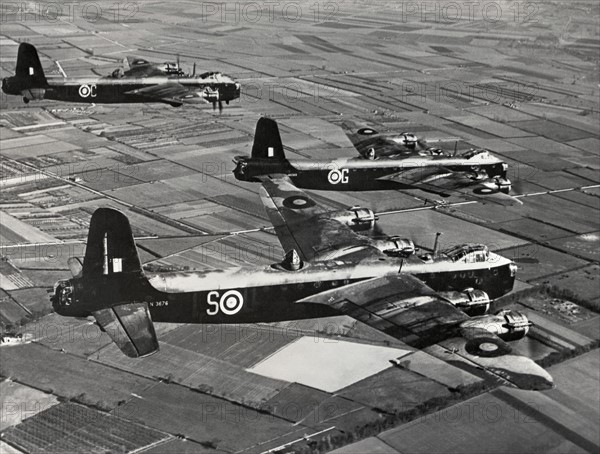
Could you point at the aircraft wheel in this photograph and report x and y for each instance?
(26, 100)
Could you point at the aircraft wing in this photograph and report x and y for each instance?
(407, 309)
(139, 67)
(130, 327)
(302, 225)
(170, 92)
(445, 181)
(368, 141)
(365, 139)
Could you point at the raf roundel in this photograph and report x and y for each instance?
(334, 176)
(487, 347)
(298, 202)
(231, 302)
(366, 131)
(84, 91)
(485, 190)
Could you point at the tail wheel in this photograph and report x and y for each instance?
(26, 100)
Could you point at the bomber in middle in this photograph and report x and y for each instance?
(475, 174)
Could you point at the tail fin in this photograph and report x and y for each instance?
(29, 69)
(267, 141)
(110, 246)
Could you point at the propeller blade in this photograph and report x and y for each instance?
(214, 105)
(519, 186)
(220, 106)
(194, 70)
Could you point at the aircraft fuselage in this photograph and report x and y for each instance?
(108, 90)
(359, 174)
(251, 295)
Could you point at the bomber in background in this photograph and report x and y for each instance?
(330, 268)
(475, 174)
(143, 82)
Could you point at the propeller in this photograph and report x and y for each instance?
(519, 186)
(194, 70)
(214, 104)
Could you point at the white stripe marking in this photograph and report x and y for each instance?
(60, 68)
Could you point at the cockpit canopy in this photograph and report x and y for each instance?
(478, 153)
(432, 151)
(215, 77)
(468, 253)
(171, 68)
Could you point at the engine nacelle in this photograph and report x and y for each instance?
(479, 175)
(507, 325)
(395, 246)
(408, 139)
(211, 95)
(503, 184)
(472, 302)
(356, 218)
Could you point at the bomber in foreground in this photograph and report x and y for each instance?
(331, 267)
(141, 83)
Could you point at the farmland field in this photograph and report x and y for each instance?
(207, 419)
(68, 376)
(70, 427)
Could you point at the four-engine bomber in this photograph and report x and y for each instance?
(476, 174)
(143, 83)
